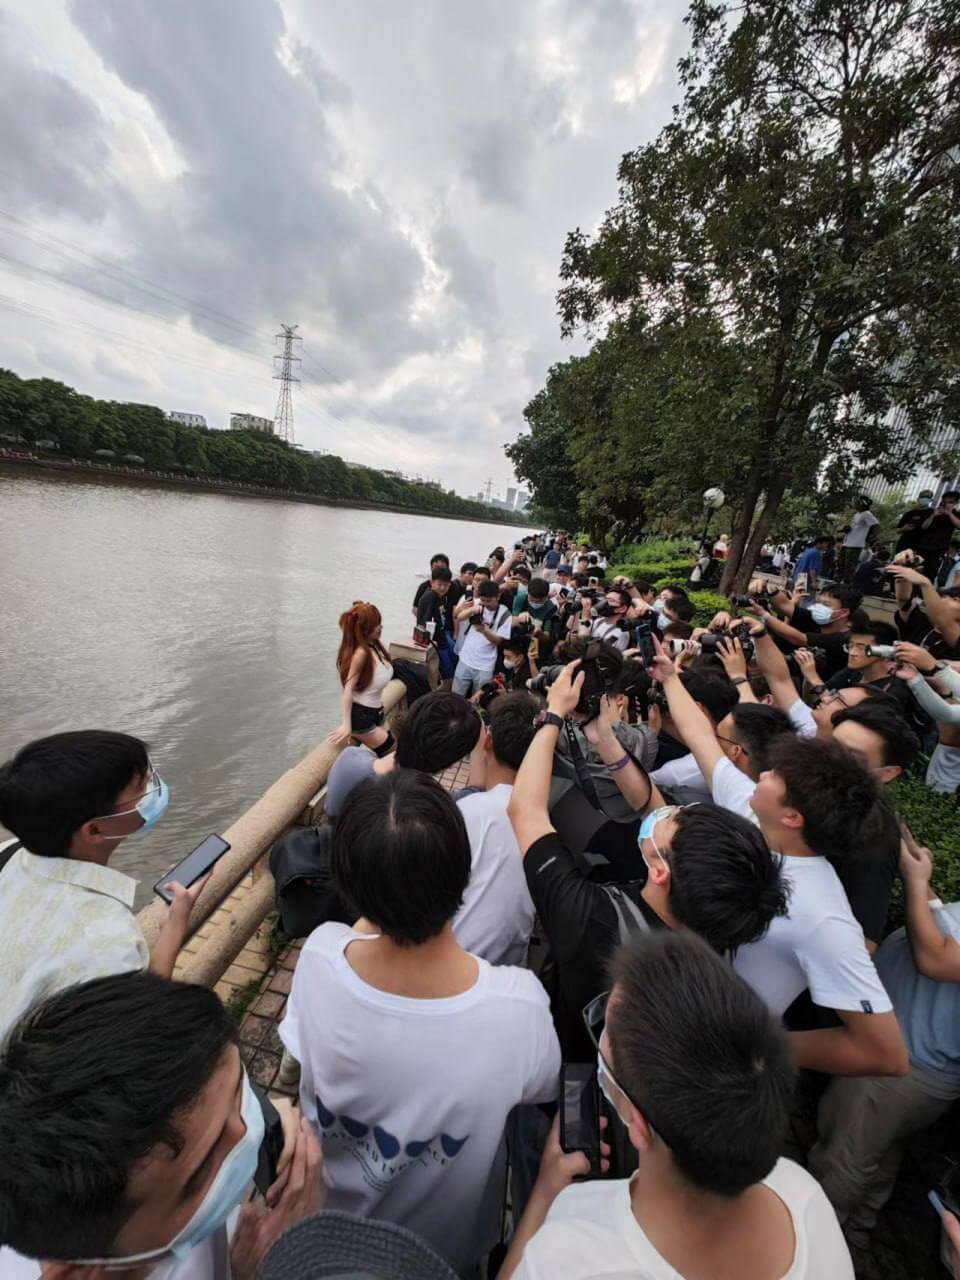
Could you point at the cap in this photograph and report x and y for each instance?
(334, 1244)
(564, 568)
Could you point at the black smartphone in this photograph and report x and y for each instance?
(271, 1148)
(194, 865)
(580, 1112)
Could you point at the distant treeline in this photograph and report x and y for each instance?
(52, 416)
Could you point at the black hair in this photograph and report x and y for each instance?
(581, 559)
(859, 622)
(949, 493)
(822, 537)
(679, 631)
(879, 632)
(582, 579)
(401, 855)
(847, 597)
(512, 729)
(54, 785)
(522, 571)
(440, 574)
(489, 590)
(642, 587)
(516, 643)
(757, 727)
(468, 566)
(538, 589)
(92, 1079)
(697, 1051)
(682, 607)
(676, 590)
(830, 788)
(439, 558)
(440, 729)
(900, 743)
(758, 683)
(718, 696)
(622, 593)
(634, 682)
(481, 568)
(725, 884)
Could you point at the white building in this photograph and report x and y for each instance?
(942, 439)
(187, 419)
(511, 497)
(250, 422)
(522, 499)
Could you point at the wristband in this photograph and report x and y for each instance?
(621, 763)
(818, 688)
(548, 717)
(738, 680)
(762, 631)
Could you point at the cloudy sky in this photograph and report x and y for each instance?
(180, 176)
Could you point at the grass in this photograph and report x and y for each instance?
(242, 998)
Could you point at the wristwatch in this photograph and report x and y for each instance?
(548, 717)
(738, 680)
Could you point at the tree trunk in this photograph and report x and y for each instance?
(751, 497)
(774, 496)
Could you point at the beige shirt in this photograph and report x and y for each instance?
(61, 922)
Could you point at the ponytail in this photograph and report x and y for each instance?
(358, 625)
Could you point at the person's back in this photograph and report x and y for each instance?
(413, 1051)
(702, 1078)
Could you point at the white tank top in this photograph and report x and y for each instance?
(372, 695)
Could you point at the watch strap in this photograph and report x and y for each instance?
(549, 717)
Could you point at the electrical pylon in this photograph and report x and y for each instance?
(284, 362)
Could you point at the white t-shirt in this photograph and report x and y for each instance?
(410, 1097)
(209, 1260)
(682, 772)
(591, 1234)
(818, 944)
(477, 651)
(801, 717)
(860, 526)
(497, 915)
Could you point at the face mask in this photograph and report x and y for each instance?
(662, 622)
(821, 614)
(511, 663)
(223, 1195)
(151, 808)
(657, 605)
(926, 502)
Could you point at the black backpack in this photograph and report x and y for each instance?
(306, 894)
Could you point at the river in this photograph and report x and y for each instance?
(203, 623)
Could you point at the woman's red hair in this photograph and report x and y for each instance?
(358, 625)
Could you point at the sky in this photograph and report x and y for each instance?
(181, 177)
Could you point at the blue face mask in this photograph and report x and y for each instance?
(821, 614)
(151, 807)
(662, 622)
(223, 1195)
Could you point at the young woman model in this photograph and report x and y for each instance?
(365, 670)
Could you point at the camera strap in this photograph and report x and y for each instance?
(580, 766)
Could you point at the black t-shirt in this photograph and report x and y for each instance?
(918, 629)
(868, 878)
(833, 646)
(440, 611)
(581, 927)
(668, 748)
(454, 595)
(892, 686)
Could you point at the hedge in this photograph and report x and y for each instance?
(934, 819)
(656, 550)
(652, 572)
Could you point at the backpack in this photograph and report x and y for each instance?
(305, 892)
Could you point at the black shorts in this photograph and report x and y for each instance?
(365, 719)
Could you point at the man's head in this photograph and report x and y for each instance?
(583, 564)
(950, 499)
(714, 695)
(644, 590)
(511, 728)
(746, 733)
(711, 871)
(439, 561)
(514, 650)
(925, 497)
(77, 795)
(440, 579)
(677, 606)
(822, 541)
(440, 729)
(564, 573)
(121, 1097)
(815, 791)
(834, 700)
(401, 855)
(487, 593)
(863, 503)
(876, 732)
(480, 574)
(467, 570)
(864, 634)
(538, 592)
(618, 602)
(841, 602)
(699, 1072)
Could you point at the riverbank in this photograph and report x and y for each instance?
(14, 461)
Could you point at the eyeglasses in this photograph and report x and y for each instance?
(856, 646)
(730, 742)
(834, 695)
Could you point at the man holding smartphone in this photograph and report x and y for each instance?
(65, 914)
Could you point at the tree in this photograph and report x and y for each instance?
(805, 199)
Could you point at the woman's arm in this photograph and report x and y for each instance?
(343, 733)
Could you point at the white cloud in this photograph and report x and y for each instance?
(396, 179)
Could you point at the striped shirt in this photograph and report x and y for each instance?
(61, 922)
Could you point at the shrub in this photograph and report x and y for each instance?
(707, 603)
(656, 551)
(934, 819)
(663, 571)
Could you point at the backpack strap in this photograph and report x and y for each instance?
(7, 854)
(630, 919)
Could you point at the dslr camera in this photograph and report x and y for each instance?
(600, 666)
(762, 598)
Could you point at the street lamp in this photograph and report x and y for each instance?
(713, 500)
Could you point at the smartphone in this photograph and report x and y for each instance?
(271, 1148)
(580, 1112)
(646, 646)
(194, 865)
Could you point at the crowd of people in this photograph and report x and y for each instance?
(551, 1025)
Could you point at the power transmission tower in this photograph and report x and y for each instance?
(283, 418)
(489, 490)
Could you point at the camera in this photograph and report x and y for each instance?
(761, 598)
(710, 642)
(600, 666)
(523, 629)
(882, 651)
(604, 609)
(542, 682)
(490, 690)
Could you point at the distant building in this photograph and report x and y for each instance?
(522, 499)
(187, 419)
(250, 422)
(944, 438)
(511, 497)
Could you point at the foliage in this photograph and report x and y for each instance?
(241, 998)
(37, 408)
(934, 819)
(707, 605)
(779, 280)
(657, 550)
(666, 570)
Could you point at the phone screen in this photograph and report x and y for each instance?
(580, 1112)
(194, 865)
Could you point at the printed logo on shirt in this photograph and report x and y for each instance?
(381, 1155)
(866, 1006)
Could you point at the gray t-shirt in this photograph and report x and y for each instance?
(350, 768)
(928, 1011)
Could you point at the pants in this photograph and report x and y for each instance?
(943, 771)
(848, 562)
(863, 1123)
(467, 680)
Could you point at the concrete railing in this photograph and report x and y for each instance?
(291, 801)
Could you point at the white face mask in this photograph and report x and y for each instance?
(511, 663)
